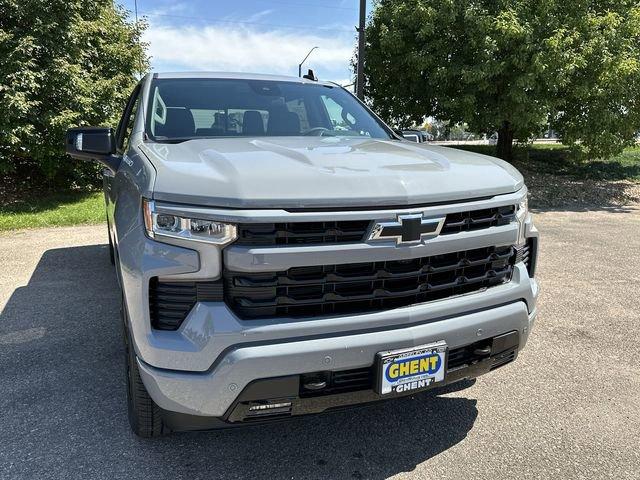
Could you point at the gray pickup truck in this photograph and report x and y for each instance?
(281, 251)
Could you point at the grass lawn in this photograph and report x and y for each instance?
(53, 211)
(557, 159)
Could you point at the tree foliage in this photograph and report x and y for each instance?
(510, 66)
(62, 63)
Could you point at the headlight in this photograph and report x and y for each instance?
(521, 215)
(167, 225)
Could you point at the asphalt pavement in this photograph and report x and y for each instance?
(567, 408)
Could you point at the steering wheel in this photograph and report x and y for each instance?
(317, 132)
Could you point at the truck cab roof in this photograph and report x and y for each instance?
(239, 76)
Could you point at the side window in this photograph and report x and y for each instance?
(341, 120)
(126, 122)
(248, 122)
(298, 107)
(158, 111)
(207, 118)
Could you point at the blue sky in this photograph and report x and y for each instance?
(260, 36)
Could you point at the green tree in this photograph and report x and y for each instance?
(62, 63)
(597, 80)
(510, 66)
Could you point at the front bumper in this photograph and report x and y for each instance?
(287, 396)
(213, 393)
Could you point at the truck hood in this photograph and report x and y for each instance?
(299, 172)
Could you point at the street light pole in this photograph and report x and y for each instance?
(360, 66)
(304, 60)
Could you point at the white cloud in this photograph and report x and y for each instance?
(238, 48)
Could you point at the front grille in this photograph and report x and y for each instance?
(171, 302)
(365, 287)
(301, 233)
(478, 219)
(318, 233)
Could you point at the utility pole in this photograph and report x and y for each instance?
(135, 6)
(360, 67)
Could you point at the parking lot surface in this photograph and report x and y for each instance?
(567, 408)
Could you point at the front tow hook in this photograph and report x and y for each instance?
(482, 351)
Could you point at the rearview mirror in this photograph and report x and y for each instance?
(92, 143)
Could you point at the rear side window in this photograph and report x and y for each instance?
(299, 107)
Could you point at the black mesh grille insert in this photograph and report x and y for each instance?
(365, 287)
(478, 219)
(339, 382)
(314, 233)
(171, 302)
(524, 253)
(302, 233)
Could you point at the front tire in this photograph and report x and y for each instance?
(112, 252)
(145, 417)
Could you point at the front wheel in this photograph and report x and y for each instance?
(145, 417)
(112, 252)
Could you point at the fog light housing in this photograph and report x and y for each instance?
(269, 406)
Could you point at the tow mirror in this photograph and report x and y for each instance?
(92, 143)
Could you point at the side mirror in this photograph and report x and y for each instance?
(93, 143)
(412, 137)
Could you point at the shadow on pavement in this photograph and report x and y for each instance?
(63, 411)
(631, 208)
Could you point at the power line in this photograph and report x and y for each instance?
(219, 20)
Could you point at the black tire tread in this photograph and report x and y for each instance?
(112, 256)
(145, 417)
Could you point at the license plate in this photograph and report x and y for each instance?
(402, 371)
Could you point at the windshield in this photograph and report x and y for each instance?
(182, 109)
